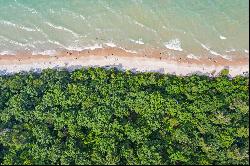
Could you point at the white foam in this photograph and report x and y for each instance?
(96, 46)
(17, 26)
(174, 44)
(222, 37)
(47, 52)
(246, 51)
(137, 41)
(215, 53)
(33, 11)
(74, 48)
(140, 24)
(205, 47)
(82, 17)
(131, 51)
(62, 28)
(21, 44)
(231, 50)
(93, 47)
(192, 56)
(73, 14)
(56, 42)
(43, 33)
(51, 11)
(208, 49)
(7, 53)
(110, 44)
(39, 42)
(226, 57)
(17, 43)
(221, 55)
(143, 26)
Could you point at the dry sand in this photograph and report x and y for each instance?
(148, 60)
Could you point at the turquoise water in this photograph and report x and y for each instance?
(218, 27)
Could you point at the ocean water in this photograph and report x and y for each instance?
(192, 27)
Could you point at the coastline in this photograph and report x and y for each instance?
(146, 61)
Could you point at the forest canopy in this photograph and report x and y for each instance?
(100, 116)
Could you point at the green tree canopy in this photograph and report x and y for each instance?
(99, 116)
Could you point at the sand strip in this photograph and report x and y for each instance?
(151, 61)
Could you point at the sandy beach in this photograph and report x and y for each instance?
(147, 61)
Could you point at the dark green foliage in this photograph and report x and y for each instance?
(97, 116)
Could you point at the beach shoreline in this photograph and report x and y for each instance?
(147, 61)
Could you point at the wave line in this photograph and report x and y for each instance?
(62, 28)
(17, 26)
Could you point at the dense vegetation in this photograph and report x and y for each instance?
(98, 116)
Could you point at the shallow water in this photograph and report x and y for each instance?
(192, 27)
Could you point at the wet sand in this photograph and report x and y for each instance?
(147, 60)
